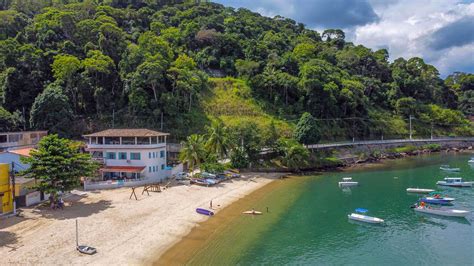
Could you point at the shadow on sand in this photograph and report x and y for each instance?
(73, 209)
(7, 239)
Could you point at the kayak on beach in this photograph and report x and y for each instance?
(252, 212)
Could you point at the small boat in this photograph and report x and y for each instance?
(364, 218)
(471, 160)
(86, 250)
(442, 211)
(347, 182)
(434, 200)
(454, 182)
(204, 212)
(449, 169)
(419, 190)
(252, 212)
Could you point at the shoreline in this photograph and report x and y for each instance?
(124, 231)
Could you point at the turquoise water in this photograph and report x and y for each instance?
(315, 229)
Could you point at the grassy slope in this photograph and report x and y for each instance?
(230, 100)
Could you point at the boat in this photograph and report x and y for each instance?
(442, 211)
(364, 218)
(434, 200)
(449, 169)
(86, 250)
(420, 190)
(204, 212)
(347, 182)
(252, 212)
(471, 160)
(454, 182)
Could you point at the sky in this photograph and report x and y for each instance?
(439, 31)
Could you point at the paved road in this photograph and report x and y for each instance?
(389, 141)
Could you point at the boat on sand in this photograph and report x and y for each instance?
(204, 212)
(420, 190)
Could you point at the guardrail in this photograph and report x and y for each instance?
(381, 142)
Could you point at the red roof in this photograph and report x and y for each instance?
(123, 169)
(22, 152)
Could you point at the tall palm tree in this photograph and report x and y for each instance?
(192, 151)
(218, 139)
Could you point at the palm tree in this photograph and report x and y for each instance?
(218, 139)
(192, 151)
(294, 155)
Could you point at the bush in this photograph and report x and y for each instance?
(213, 168)
(239, 158)
(407, 148)
(431, 147)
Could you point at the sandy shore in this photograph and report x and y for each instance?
(124, 231)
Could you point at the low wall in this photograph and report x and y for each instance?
(111, 184)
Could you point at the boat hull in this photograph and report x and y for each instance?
(365, 218)
(437, 201)
(443, 212)
(463, 184)
(204, 212)
(420, 190)
(348, 184)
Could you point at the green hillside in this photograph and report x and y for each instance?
(74, 66)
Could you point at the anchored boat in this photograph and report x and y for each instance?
(447, 168)
(441, 211)
(454, 182)
(420, 190)
(347, 182)
(440, 200)
(364, 218)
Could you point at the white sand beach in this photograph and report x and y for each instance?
(124, 231)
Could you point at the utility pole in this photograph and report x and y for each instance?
(161, 125)
(13, 187)
(432, 130)
(410, 127)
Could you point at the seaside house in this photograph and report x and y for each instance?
(24, 139)
(12, 158)
(128, 157)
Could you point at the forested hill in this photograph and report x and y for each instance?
(73, 66)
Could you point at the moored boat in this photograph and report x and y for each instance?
(449, 169)
(252, 212)
(471, 160)
(442, 211)
(347, 182)
(434, 200)
(358, 216)
(454, 182)
(419, 190)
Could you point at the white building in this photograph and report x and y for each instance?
(130, 154)
(24, 139)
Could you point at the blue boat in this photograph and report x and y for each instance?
(440, 201)
(204, 212)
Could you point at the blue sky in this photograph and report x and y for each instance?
(440, 31)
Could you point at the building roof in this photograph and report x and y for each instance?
(25, 152)
(123, 169)
(136, 132)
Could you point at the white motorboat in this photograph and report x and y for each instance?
(454, 182)
(442, 211)
(471, 160)
(347, 182)
(447, 168)
(420, 190)
(365, 218)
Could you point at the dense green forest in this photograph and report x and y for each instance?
(73, 66)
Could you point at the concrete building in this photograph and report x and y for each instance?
(13, 156)
(129, 154)
(24, 139)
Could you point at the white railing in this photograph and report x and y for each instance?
(391, 141)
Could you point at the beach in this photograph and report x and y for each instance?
(124, 231)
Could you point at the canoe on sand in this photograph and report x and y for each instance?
(252, 212)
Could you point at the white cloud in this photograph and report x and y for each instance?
(405, 27)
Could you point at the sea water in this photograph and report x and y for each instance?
(307, 221)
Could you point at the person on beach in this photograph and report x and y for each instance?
(51, 201)
(210, 204)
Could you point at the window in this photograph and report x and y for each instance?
(128, 140)
(162, 154)
(3, 138)
(112, 140)
(134, 156)
(154, 168)
(154, 140)
(122, 155)
(143, 140)
(149, 169)
(149, 155)
(162, 167)
(111, 155)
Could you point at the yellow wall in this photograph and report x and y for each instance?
(5, 188)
